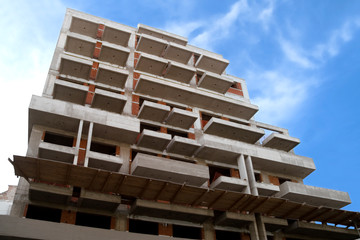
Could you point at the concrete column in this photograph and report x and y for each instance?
(125, 156)
(254, 232)
(209, 231)
(78, 139)
(251, 176)
(91, 126)
(260, 227)
(121, 223)
(21, 198)
(242, 171)
(34, 142)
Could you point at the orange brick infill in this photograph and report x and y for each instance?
(165, 229)
(136, 55)
(163, 129)
(113, 223)
(100, 31)
(97, 50)
(191, 135)
(135, 108)
(26, 209)
(274, 180)
(43, 135)
(89, 98)
(203, 123)
(83, 143)
(235, 91)
(135, 98)
(225, 118)
(81, 157)
(245, 236)
(94, 70)
(161, 102)
(136, 75)
(117, 151)
(234, 173)
(135, 81)
(68, 216)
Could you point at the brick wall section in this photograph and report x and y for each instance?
(234, 173)
(82, 152)
(237, 89)
(165, 229)
(136, 77)
(245, 236)
(135, 106)
(97, 50)
(100, 31)
(94, 70)
(9, 194)
(136, 58)
(274, 180)
(68, 216)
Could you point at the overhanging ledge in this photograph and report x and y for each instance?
(151, 189)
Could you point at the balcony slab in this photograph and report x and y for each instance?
(215, 82)
(315, 196)
(108, 101)
(181, 118)
(215, 65)
(80, 46)
(182, 146)
(153, 140)
(267, 189)
(169, 170)
(112, 76)
(117, 56)
(179, 72)
(104, 161)
(151, 45)
(83, 27)
(281, 142)
(70, 92)
(157, 33)
(116, 36)
(231, 130)
(273, 224)
(236, 220)
(229, 184)
(56, 152)
(72, 67)
(153, 111)
(151, 64)
(96, 200)
(41, 192)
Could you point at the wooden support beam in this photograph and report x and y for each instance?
(199, 199)
(217, 199)
(121, 182)
(277, 206)
(247, 203)
(293, 210)
(148, 181)
(318, 214)
(37, 169)
(262, 202)
(177, 193)
(22, 174)
(336, 214)
(237, 201)
(93, 179)
(161, 190)
(106, 181)
(67, 176)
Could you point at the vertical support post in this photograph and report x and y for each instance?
(251, 176)
(78, 140)
(260, 227)
(243, 172)
(91, 126)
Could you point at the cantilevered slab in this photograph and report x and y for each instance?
(151, 45)
(212, 64)
(114, 55)
(151, 64)
(281, 142)
(66, 116)
(182, 146)
(154, 140)
(180, 72)
(56, 152)
(215, 82)
(104, 161)
(80, 46)
(178, 193)
(236, 220)
(177, 53)
(108, 101)
(116, 36)
(72, 67)
(181, 118)
(315, 196)
(229, 184)
(157, 33)
(96, 200)
(170, 211)
(231, 130)
(169, 170)
(216, 154)
(70, 92)
(273, 224)
(267, 189)
(153, 111)
(83, 27)
(115, 77)
(321, 231)
(41, 192)
(194, 97)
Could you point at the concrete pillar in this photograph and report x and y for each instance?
(34, 141)
(121, 223)
(91, 126)
(21, 198)
(254, 232)
(251, 176)
(242, 171)
(78, 140)
(209, 231)
(125, 156)
(260, 227)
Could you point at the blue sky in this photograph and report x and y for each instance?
(300, 59)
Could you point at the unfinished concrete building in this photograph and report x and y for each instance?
(139, 135)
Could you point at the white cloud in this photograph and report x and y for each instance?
(183, 28)
(266, 14)
(26, 54)
(295, 54)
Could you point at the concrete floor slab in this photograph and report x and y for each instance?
(96, 200)
(211, 64)
(177, 53)
(153, 140)
(74, 68)
(315, 196)
(231, 130)
(151, 64)
(236, 220)
(281, 142)
(56, 152)
(108, 101)
(169, 170)
(40, 192)
(117, 56)
(181, 118)
(215, 82)
(157, 33)
(180, 72)
(273, 224)
(113, 77)
(267, 189)
(194, 97)
(182, 146)
(83, 27)
(116, 36)
(104, 161)
(80, 46)
(151, 45)
(229, 183)
(153, 111)
(70, 92)
(217, 154)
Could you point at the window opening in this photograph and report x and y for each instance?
(43, 213)
(258, 177)
(145, 227)
(149, 127)
(282, 180)
(58, 139)
(176, 133)
(216, 172)
(93, 220)
(186, 232)
(225, 235)
(103, 148)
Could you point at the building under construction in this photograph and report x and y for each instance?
(139, 135)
